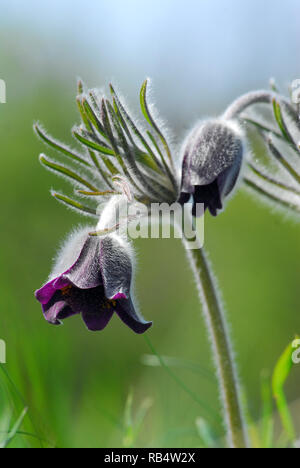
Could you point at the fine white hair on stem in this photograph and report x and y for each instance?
(223, 354)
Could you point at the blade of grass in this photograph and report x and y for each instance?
(14, 429)
(205, 433)
(181, 384)
(267, 429)
(281, 372)
(21, 398)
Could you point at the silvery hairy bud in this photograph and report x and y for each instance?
(212, 161)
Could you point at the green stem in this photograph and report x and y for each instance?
(222, 351)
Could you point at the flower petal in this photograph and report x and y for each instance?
(209, 195)
(116, 267)
(92, 304)
(85, 273)
(97, 320)
(126, 312)
(56, 309)
(45, 293)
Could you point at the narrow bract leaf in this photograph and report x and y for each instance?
(283, 161)
(270, 196)
(83, 115)
(264, 128)
(151, 121)
(79, 86)
(64, 171)
(268, 178)
(93, 117)
(131, 124)
(93, 194)
(280, 121)
(74, 204)
(92, 144)
(59, 146)
(143, 158)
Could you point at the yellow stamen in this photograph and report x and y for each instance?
(66, 290)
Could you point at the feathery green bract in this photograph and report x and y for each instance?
(93, 118)
(83, 116)
(280, 121)
(127, 119)
(116, 147)
(64, 171)
(91, 143)
(143, 158)
(149, 118)
(98, 194)
(283, 161)
(270, 196)
(74, 204)
(59, 147)
(268, 178)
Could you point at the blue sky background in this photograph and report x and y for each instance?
(200, 53)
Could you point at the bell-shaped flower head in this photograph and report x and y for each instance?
(212, 160)
(92, 277)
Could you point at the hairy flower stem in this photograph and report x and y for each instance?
(222, 351)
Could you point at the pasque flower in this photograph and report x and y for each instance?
(212, 160)
(92, 277)
(93, 273)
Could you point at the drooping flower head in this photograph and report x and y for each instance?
(93, 278)
(93, 274)
(212, 160)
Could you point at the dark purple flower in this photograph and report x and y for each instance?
(212, 160)
(96, 285)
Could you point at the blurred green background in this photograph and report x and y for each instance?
(201, 54)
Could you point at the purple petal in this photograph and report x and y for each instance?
(119, 295)
(92, 304)
(126, 312)
(56, 309)
(85, 273)
(116, 268)
(45, 293)
(97, 320)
